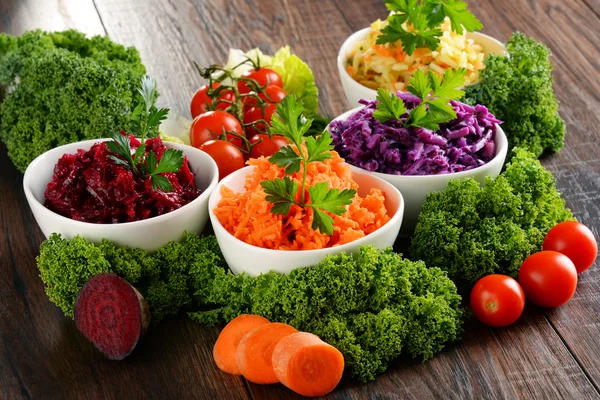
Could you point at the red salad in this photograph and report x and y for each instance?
(88, 186)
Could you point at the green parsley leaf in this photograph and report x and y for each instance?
(160, 182)
(319, 149)
(287, 158)
(288, 120)
(280, 192)
(420, 85)
(422, 19)
(171, 161)
(156, 116)
(453, 79)
(460, 17)
(332, 200)
(322, 222)
(389, 107)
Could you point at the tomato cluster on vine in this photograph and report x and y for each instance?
(232, 115)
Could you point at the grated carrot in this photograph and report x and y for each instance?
(248, 215)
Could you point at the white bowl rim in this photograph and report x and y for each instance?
(326, 250)
(205, 193)
(501, 151)
(341, 59)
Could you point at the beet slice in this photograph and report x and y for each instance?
(112, 315)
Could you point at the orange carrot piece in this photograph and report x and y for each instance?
(255, 351)
(227, 343)
(307, 365)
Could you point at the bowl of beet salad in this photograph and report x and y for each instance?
(87, 189)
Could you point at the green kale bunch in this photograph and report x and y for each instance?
(374, 307)
(518, 91)
(163, 277)
(62, 88)
(471, 231)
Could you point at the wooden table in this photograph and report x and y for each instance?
(546, 354)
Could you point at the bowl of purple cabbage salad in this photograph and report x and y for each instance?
(415, 159)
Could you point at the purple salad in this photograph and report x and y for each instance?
(464, 143)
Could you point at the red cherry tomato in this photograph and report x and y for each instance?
(262, 76)
(497, 300)
(210, 125)
(254, 114)
(228, 157)
(271, 94)
(575, 241)
(202, 103)
(266, 146)
(548, 278)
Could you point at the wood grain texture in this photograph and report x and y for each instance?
(547, 354)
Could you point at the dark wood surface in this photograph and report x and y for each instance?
(546, 354)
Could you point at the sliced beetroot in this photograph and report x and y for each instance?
(112, 315)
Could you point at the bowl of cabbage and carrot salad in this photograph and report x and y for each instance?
(364, 66)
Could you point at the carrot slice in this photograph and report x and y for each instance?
(254, 353)
(307, 365)
(227, 343)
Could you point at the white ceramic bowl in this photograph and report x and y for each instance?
(414, 188)
(355, 91)
(253, 260)
(149, 234)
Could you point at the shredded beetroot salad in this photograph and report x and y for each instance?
(461, 144)
(89, 187)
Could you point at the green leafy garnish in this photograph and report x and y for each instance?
(282, 192)
(423, 18)
(145, 117)
(435, 96)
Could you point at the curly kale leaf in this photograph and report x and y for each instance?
(163, 277)
(518, 91)
(470, 231)
(64, 88)
(374, 307)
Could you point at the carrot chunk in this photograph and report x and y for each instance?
(307, 365)
(254, 353)
(229, 338)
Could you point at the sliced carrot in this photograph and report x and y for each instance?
(255, 351)
(307, 365)
(227, 343)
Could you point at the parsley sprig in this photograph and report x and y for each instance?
(283, 192)
(145, 118)
(435, 95)
(423, 18)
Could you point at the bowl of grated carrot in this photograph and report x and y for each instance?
(254, 240)
(365, 66)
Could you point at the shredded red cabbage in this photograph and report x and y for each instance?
(464, 143)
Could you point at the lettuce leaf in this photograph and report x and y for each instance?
(298, 79)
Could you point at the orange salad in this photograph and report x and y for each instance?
(248, 215)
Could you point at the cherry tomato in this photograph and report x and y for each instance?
(228, 157)
(497, 300)
(201, 102)
(548, 278)
(262, 76)
(271, 94)
(210, 125)
(254, 114)
(266, 146)
(575, 241)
